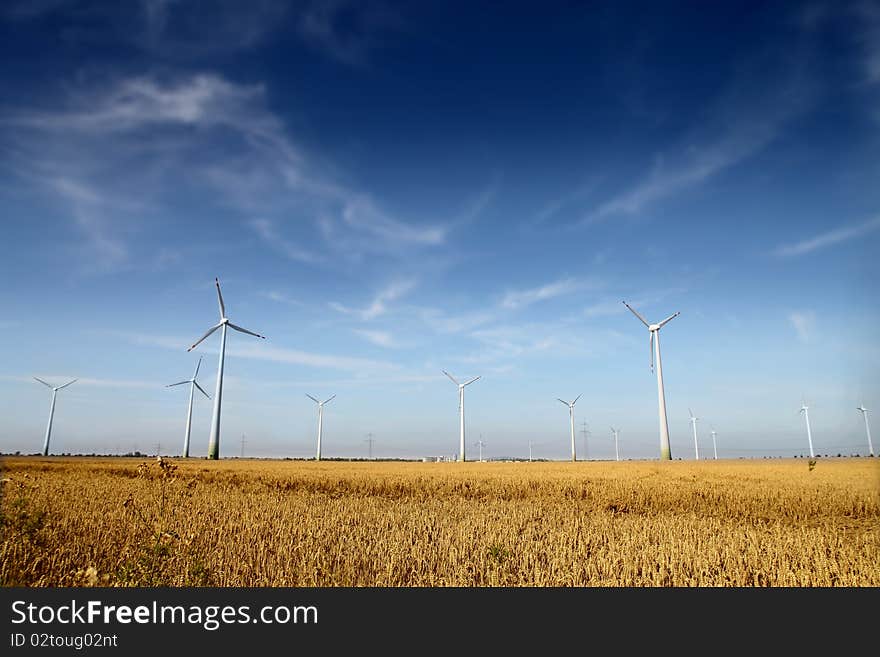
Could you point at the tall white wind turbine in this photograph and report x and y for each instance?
(615, 433)
(806, 411)
(55, 390)
(714, 444)
(193, 384)
(696, 444)
(320, 420)
(571, 422)
(461, 386)
(214, 442)
(654, 330)
(864, 411)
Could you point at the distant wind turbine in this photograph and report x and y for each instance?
(55, 390)
(806, 411)
(615, 433)
(696, 444)
(461, 386)
(714, 444)
(320, 419)
(864, 411)
(480, 444)
(571, 422)
(193, 384)
(214, 442)
(654, 329)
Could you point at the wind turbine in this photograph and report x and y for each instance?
(696, 444)
(55, 390)
(480, 444)
(806, 411)
(864, 411)
(193, 384)
(461, 386)
(320, 420)
(571, 422)
(654, 329)
(615, 432)
(714, 444)
(214, 442)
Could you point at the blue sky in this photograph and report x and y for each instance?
(389, 189)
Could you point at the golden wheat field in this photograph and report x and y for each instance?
(135, 522)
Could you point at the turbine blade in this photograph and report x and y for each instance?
(327, 400)
(312, 398)
(67, 384)
(450, 376)
(210, 331)
(636, 313)
(651, 348)
(171, 385)
(563, 401)
(576, 399)
(200, 388)
(467, 383)
(669, 319)
(198, 365)
(44, 383)
(220, 299)
(691, 413)
(244, 330)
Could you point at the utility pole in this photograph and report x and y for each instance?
(370, 441)
(243, 441)
(585, 433)
(530, 451)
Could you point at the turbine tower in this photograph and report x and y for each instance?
(214, 442)
(806, 411)
(864, 411)
(714, 444)
(571, 422)
(193, 384)
(320, 420)
(55, 390)
(615, 433)
(696, 444)
(654, 330)
(461, 386)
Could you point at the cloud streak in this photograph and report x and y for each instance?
(518, 299)
(803, 323)
(146, 137)
(825, 240)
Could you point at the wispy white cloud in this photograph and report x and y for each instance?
(261, 351)
(309, 359)
(443, 322)
(380, 338)
(742, 121)
(143, 137)
(516, 299)
(379, 305)
(268, 232)
(825, 240)
(273, 295)
(803, 323)
(868, 34)
(347, 30)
